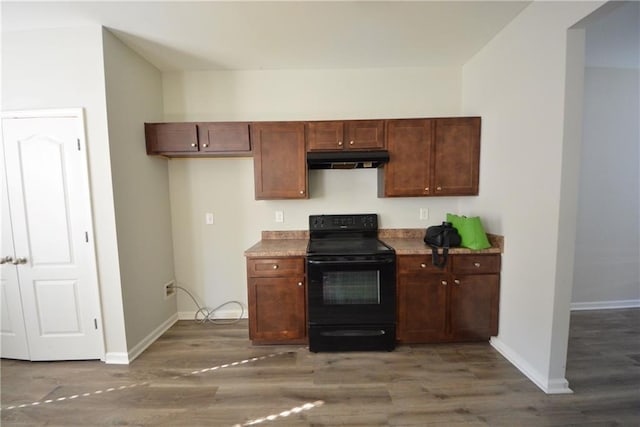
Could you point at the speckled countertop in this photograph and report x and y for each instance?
(406, 241)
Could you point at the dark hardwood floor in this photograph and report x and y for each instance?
(210, 375)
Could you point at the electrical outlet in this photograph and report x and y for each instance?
(279, 216)
(424, 214)
(169, 289)
(208, 218)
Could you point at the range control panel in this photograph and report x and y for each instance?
(355, 222)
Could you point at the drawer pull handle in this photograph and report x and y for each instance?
(476, 264)
(275, 266)
(423, 265)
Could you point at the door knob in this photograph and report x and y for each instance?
(6, 259)
(19, 261)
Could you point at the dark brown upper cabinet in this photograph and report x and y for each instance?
(279, 160)
(410, 145)
(229, 137)
(198, 139)
(345, 135)
(456, 156)
(431, 157)
(171, 138)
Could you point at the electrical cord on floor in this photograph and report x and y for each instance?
(205, 314)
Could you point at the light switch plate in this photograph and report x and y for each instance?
(279, 216)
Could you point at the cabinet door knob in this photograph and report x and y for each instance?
(350, 142)
(423, 265)
(205, 145)
(339, 143)
(476, 264)
(301, 191)
(275, 266)
(444, 283)
(439, 188)
(6, 260)
(426, 188)
(456, 281)
(193, 144)
(299, 283)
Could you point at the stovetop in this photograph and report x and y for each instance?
(365, 246)
(338, 235)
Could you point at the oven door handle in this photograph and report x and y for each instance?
(352, 261)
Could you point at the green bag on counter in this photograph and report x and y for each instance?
(471, 231)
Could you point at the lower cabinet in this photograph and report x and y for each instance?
(457, 303)
(277, 300)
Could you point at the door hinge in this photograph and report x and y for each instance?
(78, 139)
(86, 236)
(95, 324)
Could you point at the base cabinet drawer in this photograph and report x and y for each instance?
(275, 267)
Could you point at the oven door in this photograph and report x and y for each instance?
(358, 290)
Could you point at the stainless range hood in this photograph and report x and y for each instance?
(346, 159)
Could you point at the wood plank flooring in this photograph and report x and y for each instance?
(211, 375)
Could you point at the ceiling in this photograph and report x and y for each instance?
(237, 35)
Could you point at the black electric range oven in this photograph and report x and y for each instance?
(351, 285)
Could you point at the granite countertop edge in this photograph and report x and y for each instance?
(404, 241)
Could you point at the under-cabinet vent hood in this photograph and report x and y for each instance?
(346, 159)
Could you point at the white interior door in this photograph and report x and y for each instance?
(49, 203)
(12, 332)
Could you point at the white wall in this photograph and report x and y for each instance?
(607, 264)
(517, 83)
(60, 68)
(209, 258)
(141, 194)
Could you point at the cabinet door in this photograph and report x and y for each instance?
(474, 306)
(364, 134)
(456, 161)
(277, 309)
(421, 308)
(279, 160)
(408, 170)
(325, 136)
(224, 137)
(171, 137)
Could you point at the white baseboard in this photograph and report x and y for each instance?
(548, 385)
(116, 358)
(137, 350)
(229, 314)
(605, 305)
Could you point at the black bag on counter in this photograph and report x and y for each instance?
(441, 236)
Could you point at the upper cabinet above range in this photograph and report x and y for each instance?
(207, 139)
(345, 135)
